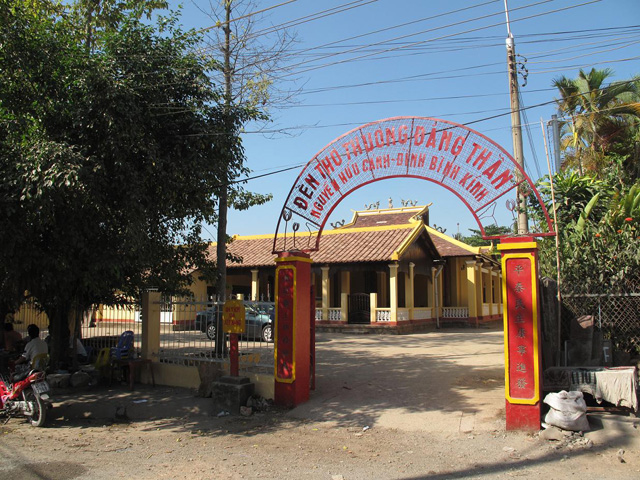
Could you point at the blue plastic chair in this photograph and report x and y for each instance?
(124, 347)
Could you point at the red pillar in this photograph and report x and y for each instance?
(522, 339)
(292, 339)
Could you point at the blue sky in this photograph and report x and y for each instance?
(442, 59)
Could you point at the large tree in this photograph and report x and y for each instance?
(253, 64)
(109, 157)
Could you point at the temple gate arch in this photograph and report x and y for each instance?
(470, 165)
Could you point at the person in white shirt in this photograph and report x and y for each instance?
(34, 347)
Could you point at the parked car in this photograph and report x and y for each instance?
(259, 326)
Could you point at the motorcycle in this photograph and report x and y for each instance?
(28, 396)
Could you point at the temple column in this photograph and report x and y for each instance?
(345, 290)
(472, 297)
(490, 290)
(409, 289)
(373, 299)
(325, 292)
(431, 293)
(479, 296)
(255, 286)
(393, 292)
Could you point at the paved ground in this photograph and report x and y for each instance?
(425, 406)
(449, 381)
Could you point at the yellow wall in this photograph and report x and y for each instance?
(27, 315)
(188, 377)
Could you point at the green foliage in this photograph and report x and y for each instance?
(598, 232)
(110, 158)
(476, 240)
(598, 119)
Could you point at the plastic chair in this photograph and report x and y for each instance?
(40, 362)
(103, 362)
(103, 358)
(124, 347)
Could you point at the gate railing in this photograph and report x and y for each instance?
(189, 341)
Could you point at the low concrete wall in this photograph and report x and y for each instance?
(172, 375)
(189, 377)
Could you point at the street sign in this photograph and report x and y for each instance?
(233, 317)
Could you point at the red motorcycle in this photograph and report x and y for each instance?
(27, 396)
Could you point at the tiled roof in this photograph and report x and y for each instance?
(336, 246)
(391, 216)
(449, 247)
(361, 246)
(380, 220)
(255, 252)
(373, 236)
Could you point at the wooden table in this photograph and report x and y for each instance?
(133, 364)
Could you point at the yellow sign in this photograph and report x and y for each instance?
(233, 315)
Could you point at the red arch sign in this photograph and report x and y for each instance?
(475, 168)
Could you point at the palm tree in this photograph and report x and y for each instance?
(594, 115)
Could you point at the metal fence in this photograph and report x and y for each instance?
(617, 316)
(614, 304)
(187, 338)
(102, 326)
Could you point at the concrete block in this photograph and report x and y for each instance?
(58, 380)
(231, 393)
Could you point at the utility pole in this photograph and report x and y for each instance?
(516, 128)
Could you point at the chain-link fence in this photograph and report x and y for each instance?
(616, 316)
(612, 311)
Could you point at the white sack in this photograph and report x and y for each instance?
(568, 411)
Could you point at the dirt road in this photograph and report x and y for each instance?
(427, 406)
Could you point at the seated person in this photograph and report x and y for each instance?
(34, 347)
(12, 339)
(81, 352)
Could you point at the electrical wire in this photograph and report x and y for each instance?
(527, 128)
(462, 22)
(233, 20)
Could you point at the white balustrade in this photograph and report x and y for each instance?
(455, 312)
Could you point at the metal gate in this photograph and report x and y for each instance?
(359, 308)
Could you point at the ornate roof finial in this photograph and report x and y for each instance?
(390, 203)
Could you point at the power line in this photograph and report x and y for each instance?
(233, 20)
(337, 62)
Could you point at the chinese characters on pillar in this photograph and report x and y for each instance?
(521, 329)
(285, 368)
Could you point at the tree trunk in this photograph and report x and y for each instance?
(59, 332)
(223, 204)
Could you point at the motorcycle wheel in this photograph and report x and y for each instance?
(39, 415)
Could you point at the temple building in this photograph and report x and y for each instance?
(386, 269)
